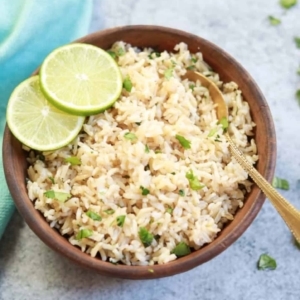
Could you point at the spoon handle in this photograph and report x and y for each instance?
(288, 212)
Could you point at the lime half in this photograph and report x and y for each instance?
(35, 122)
(81, 79)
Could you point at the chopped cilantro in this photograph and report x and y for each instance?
(173, 173)
(59, 196)
(73, 160)
(147, 150)
(92, 215)
(144, 191)
(127, 84)
(51, 179)
(280, 183)
(157, 151)
(194, 181)
(297, 41)
(194, 59)
(84, 233)
(181, 193)
(138, 123)
(120, 51)
(168, 73)
(288, 3)
(212, 132)
(224, 123)
(112, 54)
(153, 55)
(145, 236)
(109, 211)
(186, 144)
(192, 86)
(191, 67)
(130, 136)
(181, 249)
(169, 210)
(274, 21)
(121, 220)
(298, 72)
(298, 96)
(266, 262)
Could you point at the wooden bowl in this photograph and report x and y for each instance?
(160, 38)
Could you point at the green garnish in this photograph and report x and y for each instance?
(84, 233)
(127, 84)
(280, 183)
(181, 249)
(109, 211)
(51, 179)
(181, 193)
(298, 96)
(120, 51)
(274, 21)
(145, 236)
(186, 144)
(147, 150)
(157, 151)
(73, 160)
(266, 262)
(144, 191)
(169, 210)
(224, 123)
(194, 59)
(298, 72)
(138, 123)
(92, 215)
(168, 73)
(121, 220)
(112, 54)
(153, 55)
(194, 181)
(192, 86)
(212, 132)
(297, 41)
(59, 196)
(130, 136)
(288, 3)
(173, 173)
(191, 67)
(173, 62)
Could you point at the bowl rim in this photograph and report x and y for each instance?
(58, 243)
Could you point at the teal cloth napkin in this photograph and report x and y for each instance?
(29, 30)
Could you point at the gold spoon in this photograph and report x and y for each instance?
(288, 212)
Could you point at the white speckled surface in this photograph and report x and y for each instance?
(30, 270)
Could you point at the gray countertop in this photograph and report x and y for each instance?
(30, 270)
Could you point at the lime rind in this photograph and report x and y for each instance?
(35, 122)
(81, 79)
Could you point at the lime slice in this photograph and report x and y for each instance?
(35, 122)
(81, 79)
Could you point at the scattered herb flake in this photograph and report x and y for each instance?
(274, 21)
(92, 215)
(192, 86)
(121, 220)
(298, 96)
(280, 183)
(266, 262)
(213, 132)
(297, 41)
(130, 136)
(145, 236)
(147, 150)
(59, 196)
(157, 151)
(168, 73)
(138, 123)
(84, 233)
(181, 193)
(169, 210)
(173, 173)
(181, 249)
(194, 181)
(288, 3)
(109, 211)
(153, 55)
(173, 62)
(51, 179)
(191, 67)
(127, 84)
(112, 54)
(120, 51)
(224, 123)
(194, 59)
(186, 144)
(73, 160)
(144, 191)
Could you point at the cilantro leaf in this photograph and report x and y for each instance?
(92, 215)
(109, 211)
(266, 262)
(186, 144)
(84, 233)
(298, 96)
(181, 193)
(112, 54)
(120, 51)
(168, 73)
(130, 136)
(224, 123)
(51, 179)
(212, 132)
(191, 67)
(169, 210)
(121, 220)
(297, 41)
(147, 150)
(274, 21)
(192, 86)
(144, 191)
(73, 160)
(127, 84)
(59, 196)
(280, 183)
(288, 3)
(194, 181)
(194, 59)
(145, 236)
(153, 55)
(181, 249)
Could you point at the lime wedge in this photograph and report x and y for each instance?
(35, 122)
(81, 79)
